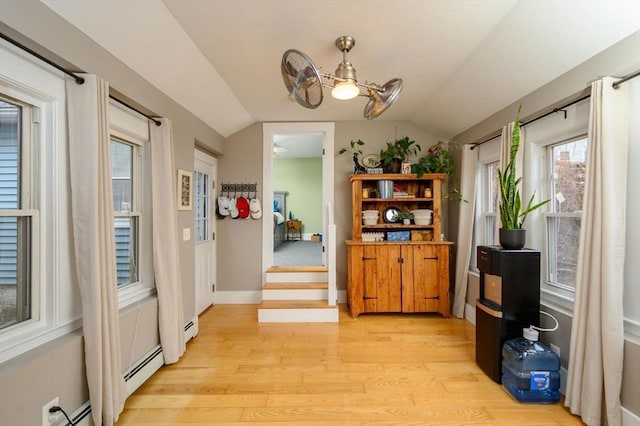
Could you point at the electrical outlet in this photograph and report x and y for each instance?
(45, 410)
(554, 348)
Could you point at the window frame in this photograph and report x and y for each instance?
(132, 128)
(538, 138)
(26, 206)
(55, 299)
(567, 292)
(489, 153)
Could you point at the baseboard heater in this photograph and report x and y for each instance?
(136, 375)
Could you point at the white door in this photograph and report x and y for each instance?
(205, 167)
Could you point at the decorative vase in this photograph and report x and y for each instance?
(393, 166)
(396, 165)
(357, 167)
(512, 239)
(406, 221)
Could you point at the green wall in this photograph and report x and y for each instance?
(302, 179)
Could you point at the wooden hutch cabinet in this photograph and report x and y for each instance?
(396, 267)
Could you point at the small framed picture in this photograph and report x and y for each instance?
(185, 195)
(406, 168)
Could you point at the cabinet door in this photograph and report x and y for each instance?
(420, 278)
(381, 278)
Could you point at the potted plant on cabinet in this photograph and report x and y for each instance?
(512, 212)
(396, 152)
(355, 148)
(439, 159)
(404, 215)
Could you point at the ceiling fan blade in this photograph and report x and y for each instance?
(290, 69)
(301, 78)
(381, 99)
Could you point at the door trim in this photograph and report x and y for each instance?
(212, 163)
(269, 130)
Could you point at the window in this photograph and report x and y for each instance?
(567, 171)
(201, 201)
(126, 213)
(36, 249)
(486, 207)
(17, 217)
(490, 201)
(131, 179)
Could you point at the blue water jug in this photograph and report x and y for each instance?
(530, 371)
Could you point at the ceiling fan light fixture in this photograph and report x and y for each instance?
(345, 90)
(304, 81)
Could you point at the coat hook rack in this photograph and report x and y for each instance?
(239, 189)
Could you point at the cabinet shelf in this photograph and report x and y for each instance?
(396, 226)
(394, 200)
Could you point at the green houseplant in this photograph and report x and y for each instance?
(405, 215)
(512, 212)
(439, 159)
(396, 152)
(355, 148)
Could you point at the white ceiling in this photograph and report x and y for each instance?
(460, 61)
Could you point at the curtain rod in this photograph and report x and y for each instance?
(558, 109)
(77, 78)
(553, 111)
(625, 79)
(157, 122)
(72, 74)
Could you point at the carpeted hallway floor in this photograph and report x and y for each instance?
(298, 253)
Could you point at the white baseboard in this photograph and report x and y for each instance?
(191, 329)
(470, 313)
(137, 374)
(629, 419)
(238, 297)
(143, 369)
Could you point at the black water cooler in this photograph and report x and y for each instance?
(509, 301)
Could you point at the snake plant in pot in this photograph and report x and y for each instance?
(512, 212)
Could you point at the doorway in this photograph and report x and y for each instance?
(204, 178)
(297, 137)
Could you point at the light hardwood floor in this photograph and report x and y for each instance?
(383, 369)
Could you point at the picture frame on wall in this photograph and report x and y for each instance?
(185, 191)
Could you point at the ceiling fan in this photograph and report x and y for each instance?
(304, 81)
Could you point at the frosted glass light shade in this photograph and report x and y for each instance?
(344, 90)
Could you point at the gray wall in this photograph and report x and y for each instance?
(55, 369)
(29, 381)
(240, 242)
(619, 60)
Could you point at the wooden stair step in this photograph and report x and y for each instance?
(295, 304)
(295, 286)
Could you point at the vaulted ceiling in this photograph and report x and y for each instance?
(460, 61)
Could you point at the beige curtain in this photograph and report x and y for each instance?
(94, 244)
(597, 331)
(166, 257)
(469, 169)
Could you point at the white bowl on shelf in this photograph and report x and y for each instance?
(368, 221)
(423, 213)
(422, 220)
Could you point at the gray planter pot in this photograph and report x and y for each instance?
(512, 239)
